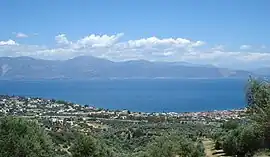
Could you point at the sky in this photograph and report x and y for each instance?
(224, 33)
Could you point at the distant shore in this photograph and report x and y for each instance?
(96, 107)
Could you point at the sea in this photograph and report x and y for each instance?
(141, 95)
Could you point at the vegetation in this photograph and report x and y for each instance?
(154, 138)
(245, 138)
(87, 146)
(174, 145)
(25, 138)
(21, 138)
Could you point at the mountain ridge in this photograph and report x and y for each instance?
(89, 67)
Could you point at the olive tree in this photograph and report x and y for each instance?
(23, 138)
(88, 146)
(258, 105)
(244, 140)
(174, 145)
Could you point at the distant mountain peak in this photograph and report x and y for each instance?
(88, 58)
(83, 57)
(24, 58)
(139, 61)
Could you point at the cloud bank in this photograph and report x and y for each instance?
(151, 48)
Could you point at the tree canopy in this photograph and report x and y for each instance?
(88, 146)
(22, 138)
(258, 105)
(174, 145)
(246, 137)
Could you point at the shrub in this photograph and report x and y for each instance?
(243, 140)
(174, 145)
(88, 146)
(22, 138)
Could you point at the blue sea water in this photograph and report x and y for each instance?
(150, 95)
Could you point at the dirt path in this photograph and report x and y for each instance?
(209, 151)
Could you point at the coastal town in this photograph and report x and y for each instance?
(73, 115)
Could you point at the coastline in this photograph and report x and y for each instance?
(30, 106)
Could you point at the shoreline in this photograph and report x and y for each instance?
(39, 107)
(119, 109)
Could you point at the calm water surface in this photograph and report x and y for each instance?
(138, 95)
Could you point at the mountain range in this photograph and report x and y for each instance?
(88, 67)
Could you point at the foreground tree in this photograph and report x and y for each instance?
(243, 141)
(88, 146)
(173, 146)
(246, 136)
(258, 105)
(22, 138)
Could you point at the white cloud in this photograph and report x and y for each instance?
(20, 35)
(61, 39)
(245, 47)
(167, 42)
(98, 41)
(8, 42)
(152, 48)
(218, 47)
(90, 41)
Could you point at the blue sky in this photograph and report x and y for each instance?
(206, 32)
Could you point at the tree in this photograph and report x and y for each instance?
(243, 140)
(174, 145)
(258, 96)
(217, 135)
(230, 125)
(23, 138)
(258, 104)
(248, 138)
(88, 146)
(162, 147)
(229, 144)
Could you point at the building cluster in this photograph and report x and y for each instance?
(71, 114)
(218, 115)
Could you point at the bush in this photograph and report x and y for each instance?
(88, 146)
(22, 138)
(173, 145)
(230, 125)
(229, 144)
(243, 140)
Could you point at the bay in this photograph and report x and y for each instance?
(146, 95)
